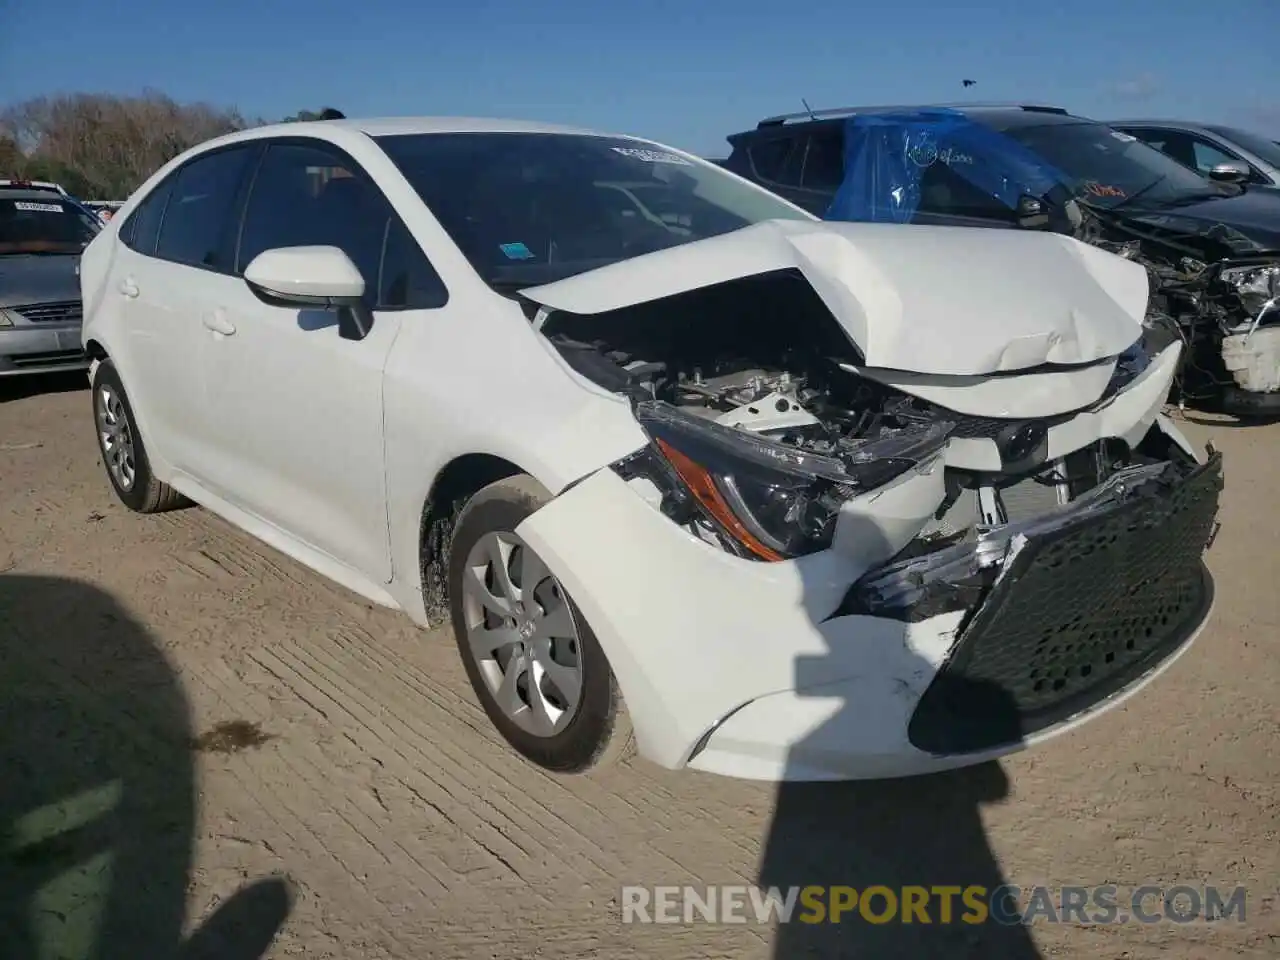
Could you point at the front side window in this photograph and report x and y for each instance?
(196, 218)
(531, 208)
(308, 195)
(1266, 150)
(43, 223)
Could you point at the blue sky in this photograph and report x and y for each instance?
(684, 72)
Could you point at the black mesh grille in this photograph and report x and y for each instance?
(1080, 614)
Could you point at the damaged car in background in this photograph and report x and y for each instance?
(684, 466)
(1211, 247)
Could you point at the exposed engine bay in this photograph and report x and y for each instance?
(1215, 293)
(768, 415)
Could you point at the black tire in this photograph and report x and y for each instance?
(146, 494)
(599, 734)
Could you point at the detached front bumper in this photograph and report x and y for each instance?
(784, 671)
(1253, 360)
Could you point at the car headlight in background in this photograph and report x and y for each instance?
(768, 500)
(1256, 285)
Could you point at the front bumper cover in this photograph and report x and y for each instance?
(1072, 614)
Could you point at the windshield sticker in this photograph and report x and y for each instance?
(516, 251)
(38, 207)
(1123, 137)
(1103, 190)
(651, 156)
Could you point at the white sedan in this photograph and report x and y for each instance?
(685, 467)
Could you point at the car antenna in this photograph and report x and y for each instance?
(808, 109)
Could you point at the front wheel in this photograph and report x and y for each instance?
(123, 453)
(534, 663)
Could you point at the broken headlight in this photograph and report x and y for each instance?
(764, 499)
(1257, 286)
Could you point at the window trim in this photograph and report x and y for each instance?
(358, 170)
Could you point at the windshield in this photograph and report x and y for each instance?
(1265, 149)
(1110, 168)
(532, 208)
(43, 225)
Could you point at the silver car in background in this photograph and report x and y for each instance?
(42, 234)
(1204, 147)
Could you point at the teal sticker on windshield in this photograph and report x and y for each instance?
(516, 251)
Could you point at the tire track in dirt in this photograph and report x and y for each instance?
(404, 872)
(606, 803)
(450, 800)
(538, 804)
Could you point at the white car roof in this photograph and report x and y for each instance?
(390, 126)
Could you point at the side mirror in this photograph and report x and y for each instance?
(1231, 172)
(1031, 213)
(316, 277)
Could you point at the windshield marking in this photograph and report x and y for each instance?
(652, 156)
(38, 207)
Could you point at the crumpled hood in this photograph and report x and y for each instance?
(38, 278)
(938, 300)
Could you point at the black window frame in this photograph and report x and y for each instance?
(234, 213)
(344, 159)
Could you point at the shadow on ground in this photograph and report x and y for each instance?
(97, 804)
(920, 832)
(19, 388)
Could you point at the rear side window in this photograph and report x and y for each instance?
(305, 195)
(142, 229)
(769, 156)
(194, 230)
(824, 166)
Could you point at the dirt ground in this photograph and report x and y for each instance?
(203, 742)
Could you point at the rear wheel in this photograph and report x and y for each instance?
(123, 453)
(534, 663)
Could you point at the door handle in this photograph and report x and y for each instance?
(129, 288)
(217, 322)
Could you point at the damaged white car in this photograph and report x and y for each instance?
(685, 466)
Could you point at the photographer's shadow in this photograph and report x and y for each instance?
(97, 791)
(920, 831)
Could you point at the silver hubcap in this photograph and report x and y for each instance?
(522, 634)
(116, 438)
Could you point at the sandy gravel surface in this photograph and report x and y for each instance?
(202, 741)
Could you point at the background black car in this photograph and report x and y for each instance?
(1212, 249)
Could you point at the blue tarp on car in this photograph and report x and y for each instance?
(886, 156)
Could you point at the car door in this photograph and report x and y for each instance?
(175, 257)
(298, 410)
